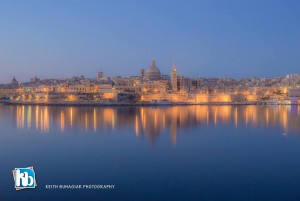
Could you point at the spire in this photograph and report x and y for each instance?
(174, 66)
(152, 63)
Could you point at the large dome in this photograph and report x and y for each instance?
(153, 73)
(153, 69)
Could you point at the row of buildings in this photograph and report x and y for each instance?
(152, 85)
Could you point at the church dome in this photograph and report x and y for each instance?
(152, 73)
(153, 69)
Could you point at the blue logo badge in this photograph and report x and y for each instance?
(24, 178)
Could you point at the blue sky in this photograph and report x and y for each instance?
(233, 38)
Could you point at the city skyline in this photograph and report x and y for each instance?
(153, 62)
(206, 38)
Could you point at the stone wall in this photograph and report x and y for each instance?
(168, 97)
(294, 92)
(213, 98)
(196, 98)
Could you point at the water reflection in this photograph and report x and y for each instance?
(151, 121)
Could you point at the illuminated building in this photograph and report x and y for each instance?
(174, 83)
(152, 73)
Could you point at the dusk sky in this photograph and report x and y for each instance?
(62, 38)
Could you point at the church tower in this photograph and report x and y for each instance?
(174, 78)
(142, 76)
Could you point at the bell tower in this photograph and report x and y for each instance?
(174, 78)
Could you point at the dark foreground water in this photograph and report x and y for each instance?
(153, 153)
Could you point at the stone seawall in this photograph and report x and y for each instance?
(200, 98)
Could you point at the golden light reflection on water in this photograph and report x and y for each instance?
(29, 117)
(95, 120)
(71, 117)
(235, 117)
(62, 121)
(36, 118)
(151, 121)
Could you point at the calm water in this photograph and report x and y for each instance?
(153, 153)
